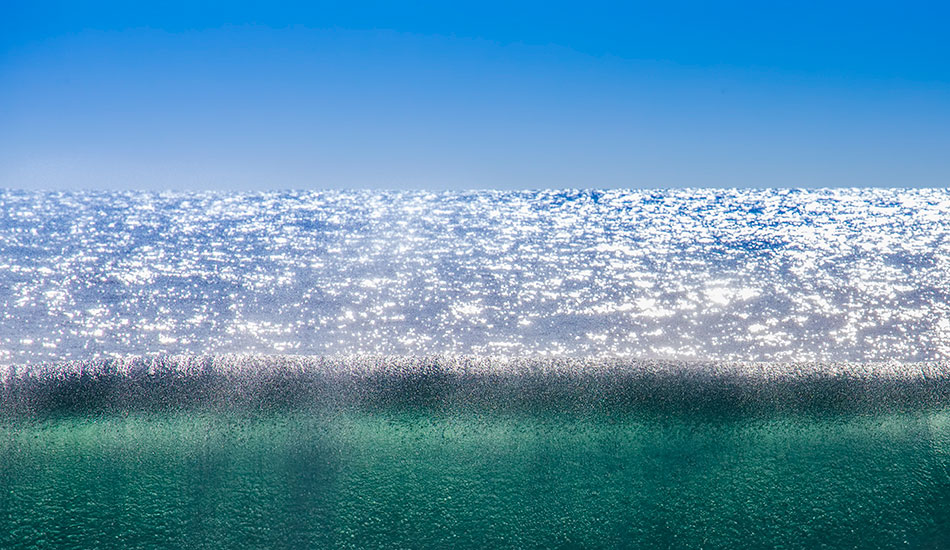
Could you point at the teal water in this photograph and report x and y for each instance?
(683, 368)
(421, 478)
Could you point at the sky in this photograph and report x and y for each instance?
(238, 95)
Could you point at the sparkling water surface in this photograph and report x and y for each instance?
(543, 369)
(764, 275)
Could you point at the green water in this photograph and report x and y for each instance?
(438, 480)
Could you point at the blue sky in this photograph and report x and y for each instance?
(448, 95)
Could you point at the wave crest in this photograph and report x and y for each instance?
(460, 383)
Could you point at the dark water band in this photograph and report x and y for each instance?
(459, 383)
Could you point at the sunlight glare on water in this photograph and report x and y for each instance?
(777, 275)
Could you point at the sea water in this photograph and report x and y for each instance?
(673, 368)
(769, 275)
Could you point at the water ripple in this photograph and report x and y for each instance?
(722, 275)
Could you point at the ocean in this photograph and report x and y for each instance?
(684, 368)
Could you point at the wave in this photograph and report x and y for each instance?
(469, 383)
